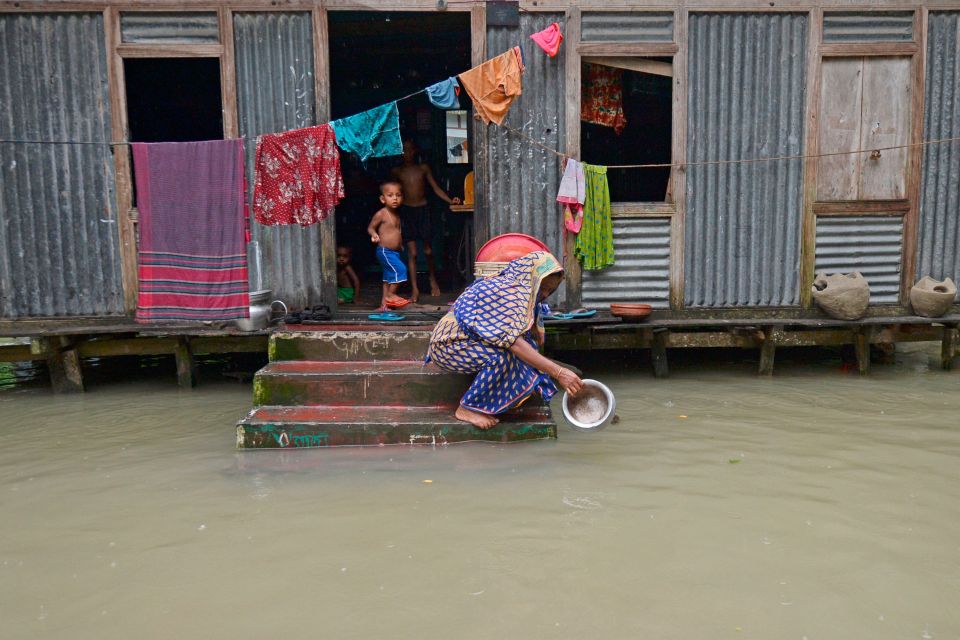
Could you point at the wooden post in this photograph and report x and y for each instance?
(768, 350)
(321, 77)
(481, 188)
(186, 368)
(63, 362)
(948, 348)
(679, 155)
(658, 353)
(861, 346)
(572, 273)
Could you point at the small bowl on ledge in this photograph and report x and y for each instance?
(631, 311)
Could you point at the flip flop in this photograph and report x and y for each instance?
(398, 304)
(559, 316)
(582, 313)
(388, 316)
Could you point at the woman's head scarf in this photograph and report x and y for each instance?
(500, 309)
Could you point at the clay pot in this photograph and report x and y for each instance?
(630, 310)
(844, 297)
(932, 298)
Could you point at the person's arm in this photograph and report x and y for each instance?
(372, 228)
(567, 379)
(354, 281)
(436, 188)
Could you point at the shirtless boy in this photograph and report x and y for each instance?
(414, 177)
(384, 230)
(348, 284)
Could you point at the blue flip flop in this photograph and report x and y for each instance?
(559, 316)
(388, 316)
(582, 313)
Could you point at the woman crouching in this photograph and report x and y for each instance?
(494, 330)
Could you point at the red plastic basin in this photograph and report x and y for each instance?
(509, 246)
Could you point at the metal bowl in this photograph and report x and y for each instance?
(260, 297)
(592, 408)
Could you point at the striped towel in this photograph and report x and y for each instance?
(193, 259)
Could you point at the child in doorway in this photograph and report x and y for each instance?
(348, 284)
(415, 213)
(384, 230)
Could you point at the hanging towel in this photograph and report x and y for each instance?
(298, 178)
(494, 84)
(371, 134)
(443, 95)
(549, 39)
(193, 258)
(594, 246)
(601, 97)
(572, 190)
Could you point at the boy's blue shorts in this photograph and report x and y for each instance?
(394, 270)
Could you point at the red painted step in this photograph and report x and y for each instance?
(351, 344)
(299, 427)
(392, 382)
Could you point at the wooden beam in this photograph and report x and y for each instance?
(170, 50)
(573, 274)
(112, 347)
(121, 161)
(658, 354)
(321, 79)
(619, 49)
(228, 76)
(808, 234)
(18, 353)
(642, 65)
(228, 344)
(186, 367)
(768, 350)
(678, 176)
(481, 188)
(862, 207)
(911, 221)
(861, 346)
(63, 364)
(642, 209)
(857, 49)
(948, 348)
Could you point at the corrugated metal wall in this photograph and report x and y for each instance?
(871, 26)
(275, 92)
(747, 86)
(626, 26)
(152, 27)
(938, 236)
(871, 245)
(522, 178)
(642, 270)
(59, 238)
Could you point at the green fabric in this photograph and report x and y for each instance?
(594, 247)
(345, 294)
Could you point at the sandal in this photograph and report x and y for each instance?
(582, 313)
(397, 304)
(387, 316)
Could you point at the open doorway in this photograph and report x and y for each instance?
(376, 57)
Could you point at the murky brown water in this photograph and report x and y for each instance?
(816, 504)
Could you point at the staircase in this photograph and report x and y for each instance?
(363, 388)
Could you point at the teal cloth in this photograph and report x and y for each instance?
(371, 134)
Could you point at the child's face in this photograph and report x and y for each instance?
(343, 257)
(391, 195)
(409, 151)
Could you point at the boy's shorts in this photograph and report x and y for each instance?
(394, 270)
(345, 294)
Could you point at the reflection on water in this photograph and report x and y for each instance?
(814, 504)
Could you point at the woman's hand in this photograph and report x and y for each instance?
(569, 381)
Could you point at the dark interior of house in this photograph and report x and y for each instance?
(173, 99)
(646, 139)
(376, 57)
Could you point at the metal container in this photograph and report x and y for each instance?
(592, 408)
(261, 312)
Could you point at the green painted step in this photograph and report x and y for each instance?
(380, 343)
(308, 382)
(320, 427)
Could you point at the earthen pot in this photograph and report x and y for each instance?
(932, 298)
(842, 296)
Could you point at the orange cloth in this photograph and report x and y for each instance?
(494, 84)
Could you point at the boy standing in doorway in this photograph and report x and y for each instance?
(415, 213)
(384, 230)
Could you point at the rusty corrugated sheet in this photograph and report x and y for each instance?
(747, 86)
(872, 245)
(59, 238)
(626, 26)
(275, 92)
(642, 270)
(938, 236)
(522, 178)
(867, 26)
(156, 27)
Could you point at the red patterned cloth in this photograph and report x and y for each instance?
(601, 97)
(298, 178)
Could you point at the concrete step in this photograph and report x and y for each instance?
(319, 427)
(359, 383)
(350, 344)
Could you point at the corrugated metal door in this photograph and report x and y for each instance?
(747, 86)
(275, 92)
(59, 238)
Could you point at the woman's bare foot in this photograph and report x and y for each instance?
(479, 420)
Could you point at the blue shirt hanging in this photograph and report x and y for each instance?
(443, 95)
(371, 134)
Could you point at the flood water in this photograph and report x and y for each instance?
(814, 504)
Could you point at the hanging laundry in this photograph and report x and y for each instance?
(594, 246)
(494, 85)
(549, 39)
(572, 193)
(443, 95)
(601, 97)
(371, 134)
(298, 178)
(192, 255)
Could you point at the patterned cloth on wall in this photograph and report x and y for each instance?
(193, 257)
(298, 178)
(594, 246)
(601, 97)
